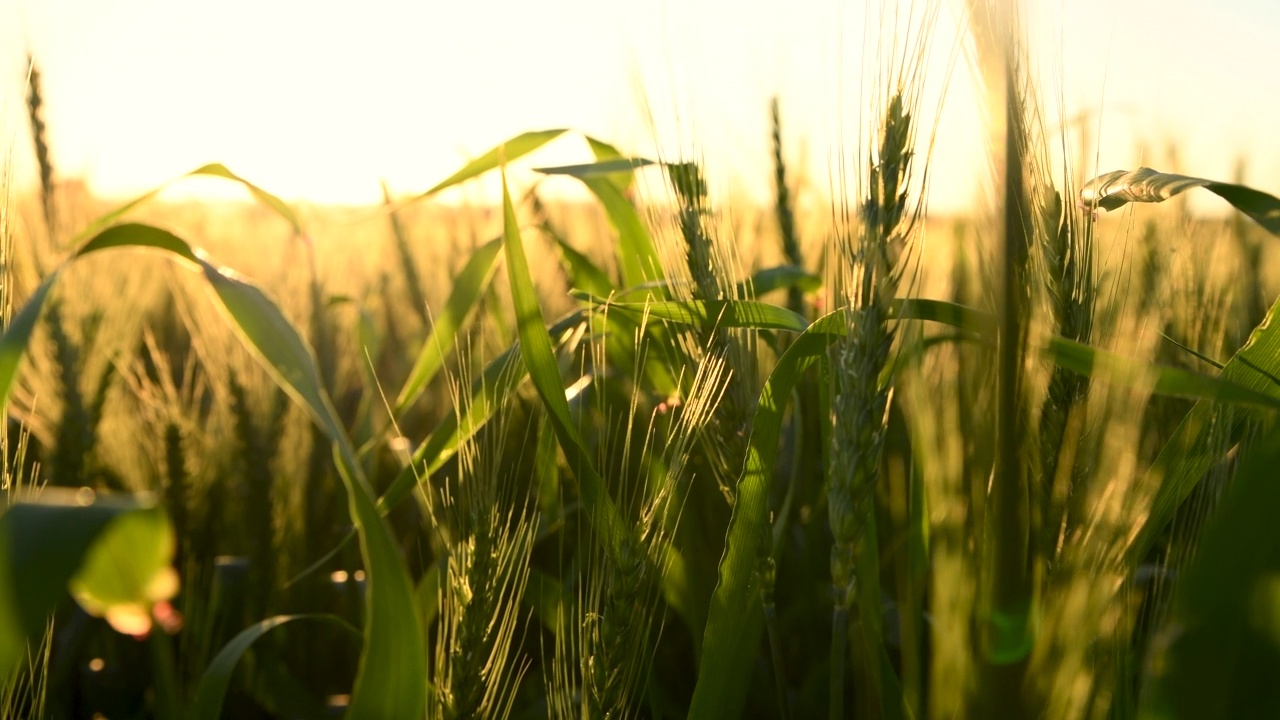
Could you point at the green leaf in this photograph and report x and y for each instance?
(212, 689)
(13, 344)
(1223, 651)
(211, 170)
(1115, 189)
(127, 570)
(598, 168)
(464, 298)
(637, 255)
(723, 313)
(1163, 380)
(1077, 357)
(540, 361)
(47, 542)
(735, 619)
(583, 274)
(781, 277)
(504, 152)
(603, 152)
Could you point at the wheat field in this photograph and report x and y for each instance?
(650, 454)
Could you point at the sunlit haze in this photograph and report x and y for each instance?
(321, 101)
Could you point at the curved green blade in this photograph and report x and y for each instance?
(601, 167)
(516, 147)
(1195, 446)
(212, 689)
(210, 170)
(700, 313)
(544, 372)
(780, 277)
(1144, 185)
(489, 392)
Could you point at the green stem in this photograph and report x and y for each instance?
(775, 652)
(164, 676)
(839, 640)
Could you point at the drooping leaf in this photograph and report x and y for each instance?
(210, 170)
(1112, 190)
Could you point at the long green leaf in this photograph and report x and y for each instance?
(540, 361)
(605, 152)
(735, 619)
(1075, 356)
(583, 274)
(468, 288)
(637, 255)
(724, 313)
(212, 690)
(210, 170)
(507, 151)
(1144, 185)
(780, 277)
(595, 169)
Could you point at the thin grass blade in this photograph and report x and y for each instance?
(516, 147)
(212, 690)
(540, 361)
(464, 298)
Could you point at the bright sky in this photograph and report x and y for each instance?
(320, 101)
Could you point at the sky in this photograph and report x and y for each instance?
(320, 101)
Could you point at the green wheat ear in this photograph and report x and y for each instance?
(40, 141)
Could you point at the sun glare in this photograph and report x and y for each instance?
(322, 102)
